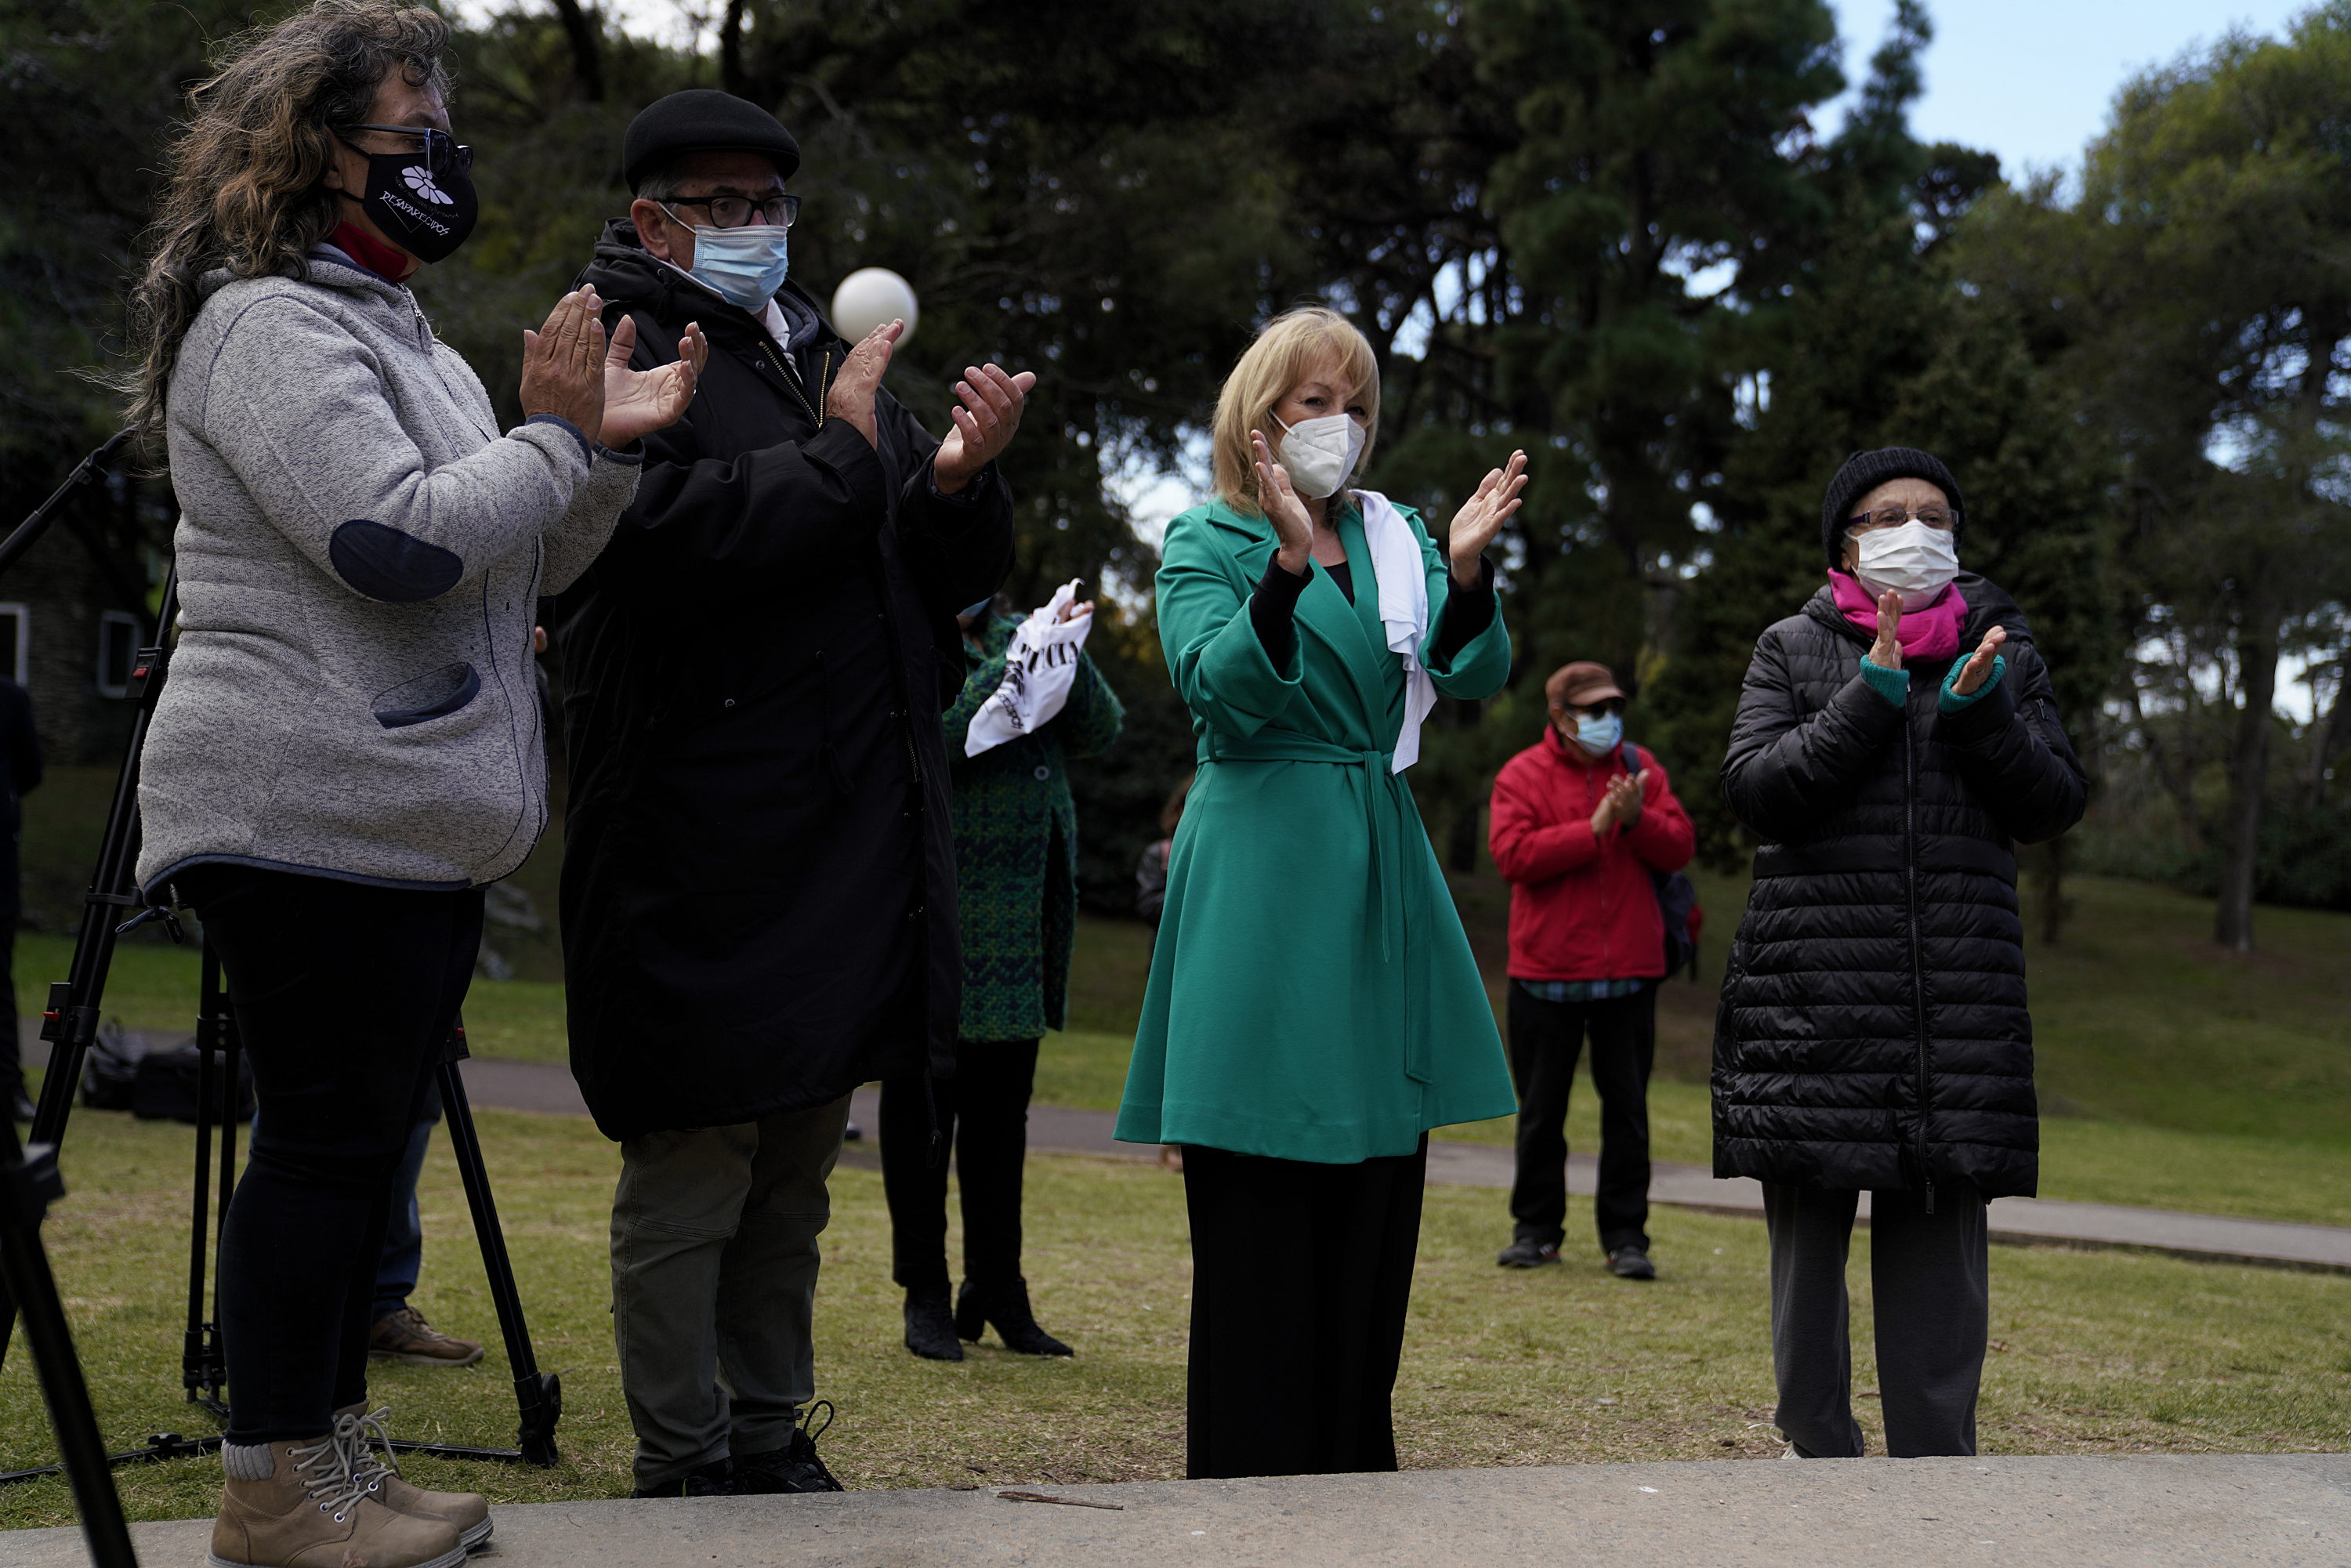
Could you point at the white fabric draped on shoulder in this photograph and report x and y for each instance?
(1403, 575)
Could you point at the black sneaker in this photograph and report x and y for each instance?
(715, 1478)
(1629, 1262)
(795, 1467)
(1528, 1253)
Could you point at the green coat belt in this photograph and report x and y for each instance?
(1312, 996)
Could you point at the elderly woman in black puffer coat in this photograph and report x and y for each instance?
(1895, 740)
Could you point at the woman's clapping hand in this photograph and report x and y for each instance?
(1978, 668)
(1482, 516)
(1292, 524)
(638, 402)
(563, 363)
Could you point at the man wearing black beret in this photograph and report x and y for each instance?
(759, 888)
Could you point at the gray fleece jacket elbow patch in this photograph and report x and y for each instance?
(384, 563)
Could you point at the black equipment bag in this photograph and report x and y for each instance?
(108, 1070)
(164, 1087)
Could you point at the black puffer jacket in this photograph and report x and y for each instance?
(1873, 1030)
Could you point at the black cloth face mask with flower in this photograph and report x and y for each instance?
(423, 200)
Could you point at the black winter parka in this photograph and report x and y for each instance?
(758, 881)
(1873, 1030)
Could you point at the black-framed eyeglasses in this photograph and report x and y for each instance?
(444, 153)
(739, 212)
(1578, 710)
(1941, 517)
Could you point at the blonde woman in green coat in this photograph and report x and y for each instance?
(1313, 1010)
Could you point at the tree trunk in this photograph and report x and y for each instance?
(587, 49)
(2249, 771)
(731, 74)
(2048, 861)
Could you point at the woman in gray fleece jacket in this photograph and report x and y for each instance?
(348, 747)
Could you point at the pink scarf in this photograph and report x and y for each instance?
(1931, 632)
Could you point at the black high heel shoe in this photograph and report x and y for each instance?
(1005, 1309)
(930, 1330)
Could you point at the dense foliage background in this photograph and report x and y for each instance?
(1609, 231)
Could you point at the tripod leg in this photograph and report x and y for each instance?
(26, 1267)
(540, 1397)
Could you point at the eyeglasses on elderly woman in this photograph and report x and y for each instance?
(1941, 517)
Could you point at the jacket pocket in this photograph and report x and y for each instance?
(435, 696)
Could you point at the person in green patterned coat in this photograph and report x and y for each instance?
(1016, 835)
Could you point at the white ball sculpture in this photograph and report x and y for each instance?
(870, 297)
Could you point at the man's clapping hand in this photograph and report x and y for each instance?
(992, 399)
(1620, 807)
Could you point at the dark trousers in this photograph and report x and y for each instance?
(1301, 1275)
(403, 1232)
(983, 1111)
(1545, 1040)
(12, 1061)
(1930, 1286)
(344, 998)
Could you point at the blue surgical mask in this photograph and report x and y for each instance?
(1599, 736)
(746, 264)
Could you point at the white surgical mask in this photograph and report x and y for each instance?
(1915, 561)
(1318, 454)
(746, 264)
(1599, 736)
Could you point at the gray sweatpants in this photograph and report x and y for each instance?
(1929, 1280)
(714, 1284)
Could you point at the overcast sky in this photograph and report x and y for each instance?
(2031, 80)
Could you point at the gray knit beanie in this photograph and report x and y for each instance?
(1865, 471)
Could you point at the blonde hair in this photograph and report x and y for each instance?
(244, 175)
(1292, 346)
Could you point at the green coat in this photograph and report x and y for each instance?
(1311, 994)
(1016, 839)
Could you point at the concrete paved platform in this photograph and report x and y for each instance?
(2212, 1511)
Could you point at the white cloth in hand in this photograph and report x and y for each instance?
(1040, 664)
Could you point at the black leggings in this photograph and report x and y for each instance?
(982, 1110)
(344, 997)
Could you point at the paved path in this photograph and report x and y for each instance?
(547, 1087)
(2290, 1511)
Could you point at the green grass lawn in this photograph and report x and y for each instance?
(2174, 1074)
(2094, 1353)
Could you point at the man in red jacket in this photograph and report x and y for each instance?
(1580, 821)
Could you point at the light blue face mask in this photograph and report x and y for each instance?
(747, 265)
(1599, 736)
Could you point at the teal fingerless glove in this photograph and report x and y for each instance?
(1894, 686)
(1950, 700)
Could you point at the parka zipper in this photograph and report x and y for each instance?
(792, 379)
(1917, 955)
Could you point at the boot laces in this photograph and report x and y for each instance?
(333, 1486)
(359, 1437)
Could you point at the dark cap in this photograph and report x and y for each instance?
(703, 120)
(1865, 471)
(1581, 684)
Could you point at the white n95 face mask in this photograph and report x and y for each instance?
(1318, 454)
(1915, 561)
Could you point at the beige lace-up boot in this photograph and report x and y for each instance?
(298, 1505)
(361, 1433)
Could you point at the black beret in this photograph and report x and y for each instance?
(703, 120)
(1865, 471)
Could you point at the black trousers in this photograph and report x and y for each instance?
(983, 1111)
(1301, 1275)
(12, 1061)
(1929, 1285)
(1545, 1040)
(344, 997)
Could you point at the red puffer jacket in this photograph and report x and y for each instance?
(1582, 909)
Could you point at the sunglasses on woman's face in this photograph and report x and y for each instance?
(444, 153)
